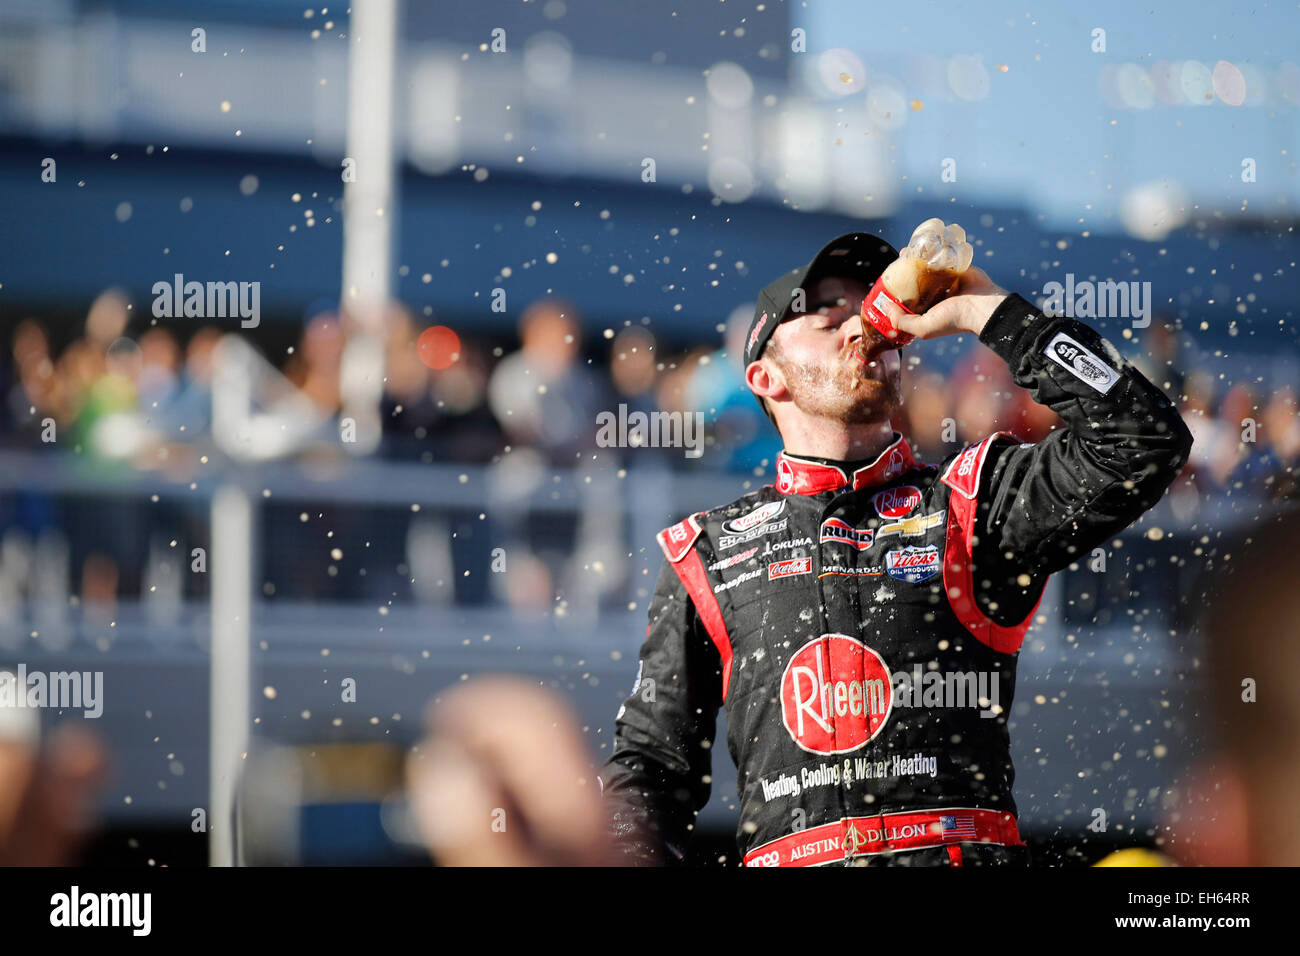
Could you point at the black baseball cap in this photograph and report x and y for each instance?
(857, 255)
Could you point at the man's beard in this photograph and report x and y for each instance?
(846, 390)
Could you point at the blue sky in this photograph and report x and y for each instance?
(1046, 135)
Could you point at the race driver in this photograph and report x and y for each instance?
(860, 618)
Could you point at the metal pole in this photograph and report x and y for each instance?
(229, 713)
(369, 210)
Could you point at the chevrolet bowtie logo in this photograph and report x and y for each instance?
(910, 527)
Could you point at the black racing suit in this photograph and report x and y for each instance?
(861, 624)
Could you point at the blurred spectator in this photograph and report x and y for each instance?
(674, 391)
(89, 387)
(1162, 361)
(744, 437)
(634, 372)
(159, 381)
(1197, 409)
(106, 425)
(543, 395)
(978, 398)
(435, 413)
(190, 414)
(467, 430)
(546, 401)
(408, 401)
(1229, 447)
(107, 319)
(1271, 466)
(924, 413)
(99, 417)
(435, 410)
(980, 389)
(32, 544)
(632, 368)
(314, 366)
(36, 392)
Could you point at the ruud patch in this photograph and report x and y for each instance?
(833, 529)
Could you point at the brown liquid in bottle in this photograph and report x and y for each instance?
(933, 286)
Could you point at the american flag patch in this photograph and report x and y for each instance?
(957, 828)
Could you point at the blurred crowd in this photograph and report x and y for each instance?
(128, 398)
(116, 393)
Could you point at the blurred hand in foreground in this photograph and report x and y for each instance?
(47, 796)
(502, 778)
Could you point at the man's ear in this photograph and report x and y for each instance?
(764, 379)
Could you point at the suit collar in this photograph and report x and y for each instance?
(798, 475)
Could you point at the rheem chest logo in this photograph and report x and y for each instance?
(896, 502)
(836, 695)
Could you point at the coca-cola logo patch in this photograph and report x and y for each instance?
(896, 502)
(785, 569)
(836, 695)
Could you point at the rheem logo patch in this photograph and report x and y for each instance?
(896, 502)
(836, 695)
